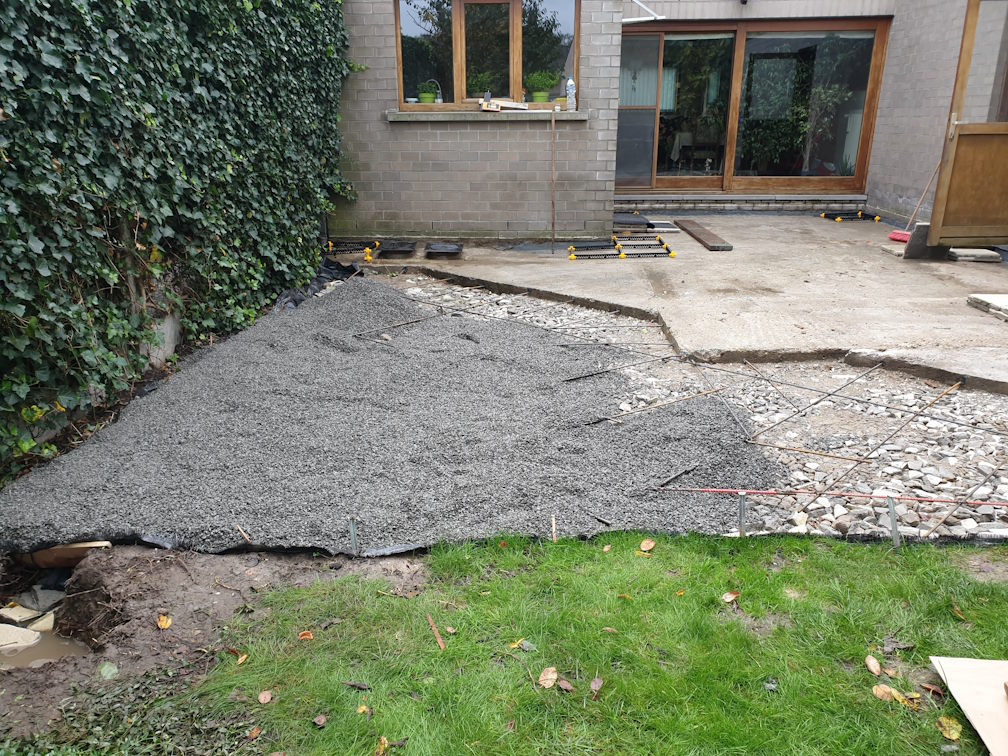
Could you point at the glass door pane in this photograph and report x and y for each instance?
(803, 97)
(488, 49)
(693, 117)
(635, 132)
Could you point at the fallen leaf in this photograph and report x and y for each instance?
(363, 709)
(680, 593)
(242, 659)
(382, 746)
(596, 686)
(607, 548)
(882, 692)
(730, 596)
(647, 544)
(565, 685)
(548, 677)
(356, 685)
(891, 644)
(502, 544)
(484, 593)
(873, 665)
(516, 643)
(254, 733)
(107, 670)
(957, 611)
(265, 696)
(319, 721)
(624, 596)
(164, 621)
(609, 629)
(934, 690)
(642, 554)
(902, 700)
(510, 725)
(306, 635)
(890, 671)
(950, 727)
(450, 630)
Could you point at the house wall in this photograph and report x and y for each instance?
(489, 177)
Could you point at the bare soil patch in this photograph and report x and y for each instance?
(114, 599)
(986, 567)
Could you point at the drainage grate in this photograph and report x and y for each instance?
(396, 249)
(348, 246)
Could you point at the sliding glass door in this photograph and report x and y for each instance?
(752, 107)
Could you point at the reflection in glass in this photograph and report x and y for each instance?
(548, 41)
(695, 86)
(487, 49)
(426, 45)
(803, 96)
(635, 147)
(639, 70)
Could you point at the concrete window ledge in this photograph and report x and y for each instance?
(470, 116)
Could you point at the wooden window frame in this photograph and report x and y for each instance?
(461, 102)
(728, 182)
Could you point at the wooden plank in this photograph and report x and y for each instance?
(734, 104)
(704, 235)
(871, 104)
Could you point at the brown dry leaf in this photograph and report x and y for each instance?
(501, 544)
(164, 621)
(510, 725)
(319, 721)
(873, 665)
(607, 548)
(957, 611)
(596, 686)
(730, 596)
(624, 596)
(306, 635)
(242, 659)
(565, 685)
(265, 696)
(548, 677)
(642, 554)
(363, 709)
(382, 746)
(255, 732)
(950, 727)
(934, 690)
(609, 629)
(882, 692)
(680, 593)
(891, 671)
(450, 630)
(647, 544)
(902, 700)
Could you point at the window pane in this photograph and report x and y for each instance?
(548, 43)
(487, 49)
(426, 45)
(803, 97)
(635, 147)
(696, 83)
(638, 81)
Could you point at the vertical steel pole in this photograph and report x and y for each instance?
(741, 514)
(893, 522)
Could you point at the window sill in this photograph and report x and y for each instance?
(427, 116)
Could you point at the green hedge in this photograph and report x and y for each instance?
(154, 155)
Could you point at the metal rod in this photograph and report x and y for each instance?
(893, 527)
(398, 325)
(814, 403)
(799, 450)
(653, 406)
(353, 537)
(618, 367)
(741, 513)
(970, 503)
(741, 425)
(838, 494)
(774, 385)
(679, 474)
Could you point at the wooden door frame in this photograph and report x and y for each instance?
(729, 182)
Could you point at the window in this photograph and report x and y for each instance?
(451, 52)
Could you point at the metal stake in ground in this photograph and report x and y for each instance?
(741, 514)
(893, 522)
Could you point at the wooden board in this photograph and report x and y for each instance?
(704, 235)
(979, 687)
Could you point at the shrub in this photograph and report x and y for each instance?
(541, 81)
(154, 155)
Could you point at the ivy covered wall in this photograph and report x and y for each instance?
(155, 156)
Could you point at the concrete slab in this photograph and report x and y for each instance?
(794, 287)
(896, 250)
(995, 304)
(962, 254)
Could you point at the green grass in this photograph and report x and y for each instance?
(683, 673)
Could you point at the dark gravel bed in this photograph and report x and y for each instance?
(447, 429)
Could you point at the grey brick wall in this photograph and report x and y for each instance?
(476, 179)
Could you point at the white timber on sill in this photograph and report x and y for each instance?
(478, 116)
(728, 197)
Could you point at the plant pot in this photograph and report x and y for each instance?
(427, 97)
(540, 97)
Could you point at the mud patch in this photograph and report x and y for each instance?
(115, 596)
(761, 627)
(986, 567)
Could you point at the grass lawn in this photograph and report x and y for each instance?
(781, 671)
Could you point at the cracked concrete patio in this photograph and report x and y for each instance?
(795, 286)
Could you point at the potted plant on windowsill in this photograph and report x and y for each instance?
(539, 83)
(427, 92)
